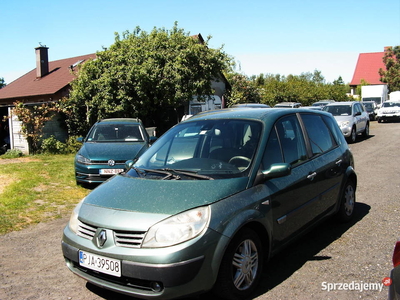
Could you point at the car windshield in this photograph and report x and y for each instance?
(338, 110)
(391, 104)
(368, 105)
(115, 133)
(214, 148)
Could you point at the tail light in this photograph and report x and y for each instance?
(396, 254)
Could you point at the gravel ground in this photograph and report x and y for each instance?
(349, 256)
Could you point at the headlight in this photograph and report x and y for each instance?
(344, 124)
(178, 228)
(83, 160)
(73, 220)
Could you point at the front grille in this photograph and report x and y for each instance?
(86, 231)
(105, 162)
(129, 239)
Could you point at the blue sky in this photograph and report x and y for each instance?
(270, 37)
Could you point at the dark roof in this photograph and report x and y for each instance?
(59, 77)
(367, 68)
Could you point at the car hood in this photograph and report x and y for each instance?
(116, 151)
(388, 109)
(343, 118)
(125, 200)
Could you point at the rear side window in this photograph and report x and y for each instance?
(334, 129)
(291, 140)
(318, 134)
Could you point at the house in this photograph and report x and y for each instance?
(49, 81)
(367, 69)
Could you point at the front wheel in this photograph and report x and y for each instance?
(366, 131)
(241, 267)
(353, 135)
(347, 202)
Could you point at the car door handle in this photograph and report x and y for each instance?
(311, 175)
(338, 162)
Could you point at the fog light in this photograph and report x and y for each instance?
(156, 286)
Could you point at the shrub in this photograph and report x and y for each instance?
(12, 153)
(72, 145)
(53, 146)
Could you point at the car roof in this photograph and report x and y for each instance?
(342, 103)
(119, 121)
(291, 103)
(261, 114)
(250, 105)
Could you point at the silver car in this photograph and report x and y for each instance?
(351, 118)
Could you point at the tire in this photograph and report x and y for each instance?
(241, 267)
(353, 135)
(347, 202)
(366, 131)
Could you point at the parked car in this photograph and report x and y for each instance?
(106, 148)
(394, 289)
(372, 108)
(323, 103)
(390, 110)
(250, 105)
(210, 201)
(351, 118)
(288, 105)
(313, 107)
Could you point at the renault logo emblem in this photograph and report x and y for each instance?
(111, 163)
(101, 238)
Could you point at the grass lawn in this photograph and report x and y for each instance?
(37, 189)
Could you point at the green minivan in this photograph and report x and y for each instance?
(210, 201)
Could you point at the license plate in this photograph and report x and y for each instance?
(110, 171)
(100, 263)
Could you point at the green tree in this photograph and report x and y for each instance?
(2, 83)
(391, 75)
(144, 75)
(243, 90)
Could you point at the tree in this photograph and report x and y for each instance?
(33, 119)
(391, 75)
(143, 75)
(2, 83)
(243, 89)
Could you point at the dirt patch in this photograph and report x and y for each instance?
(16, 160)
(4, 182)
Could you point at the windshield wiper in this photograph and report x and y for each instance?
(188, 173)
(169, 175)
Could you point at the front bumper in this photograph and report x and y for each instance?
(91, 173)
(388, 116)
(346, 130)
(168, 273)
(139, 279)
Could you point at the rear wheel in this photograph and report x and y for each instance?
(241, 267)
(347, 202)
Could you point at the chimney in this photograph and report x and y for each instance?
(42, 61)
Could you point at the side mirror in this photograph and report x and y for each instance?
(152, 139)
(357, 114)
(79, 139)
(129, 164)
(277, 170)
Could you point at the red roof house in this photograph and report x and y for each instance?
(367, 68)
(49, 81)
